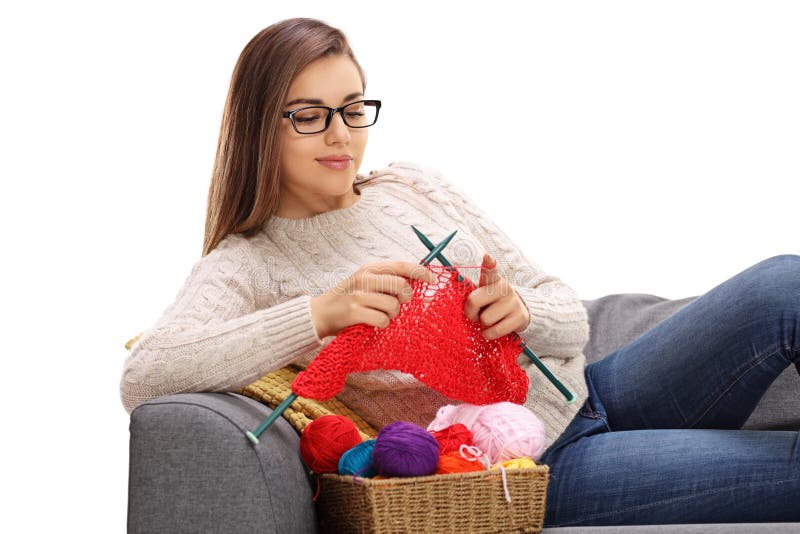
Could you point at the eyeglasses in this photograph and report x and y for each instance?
(316, 119)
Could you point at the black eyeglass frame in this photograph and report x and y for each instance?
(331, 113)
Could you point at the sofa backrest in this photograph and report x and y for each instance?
(616, 320)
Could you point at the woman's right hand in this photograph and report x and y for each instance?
(371, 295)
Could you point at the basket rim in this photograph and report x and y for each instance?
(392, 481)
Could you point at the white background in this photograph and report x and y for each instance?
(625, 146)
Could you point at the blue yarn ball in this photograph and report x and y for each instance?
(403, 449)
(358, 460)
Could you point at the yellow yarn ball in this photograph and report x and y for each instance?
(516, 463)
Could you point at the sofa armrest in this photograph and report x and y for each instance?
(192, 469)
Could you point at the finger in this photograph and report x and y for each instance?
(489, 272)
(496, 312)
(403, 268)
(423, 273)
(387, 305)
(373, 317)
(479, 299)
(504, 327)
(388, 284)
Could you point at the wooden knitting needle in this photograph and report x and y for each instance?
(254, 435)
(568, 395)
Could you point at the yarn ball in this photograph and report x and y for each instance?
(403, 449)
(516, 463)
(452, 437)
(454, 462)
(503, 430)
(324, 440)
(358, 460)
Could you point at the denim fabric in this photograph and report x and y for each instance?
(659, 439)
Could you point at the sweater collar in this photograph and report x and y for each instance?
(334, 218)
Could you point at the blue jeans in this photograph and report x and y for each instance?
(658, 441)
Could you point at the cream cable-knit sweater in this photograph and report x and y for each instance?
(244, 310)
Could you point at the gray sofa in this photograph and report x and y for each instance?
(192, 469)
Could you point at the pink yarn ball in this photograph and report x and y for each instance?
(502, 430)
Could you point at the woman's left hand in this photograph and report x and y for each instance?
(496, 303)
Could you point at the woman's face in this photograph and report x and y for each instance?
(307, 186)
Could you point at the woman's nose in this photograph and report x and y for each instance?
(338, 130)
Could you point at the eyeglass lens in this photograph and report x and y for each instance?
(356, 115)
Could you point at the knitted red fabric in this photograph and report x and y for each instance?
(432, 339)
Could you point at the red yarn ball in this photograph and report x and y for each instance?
(452, 437)
(325, 440)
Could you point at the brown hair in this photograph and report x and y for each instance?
(245, 182)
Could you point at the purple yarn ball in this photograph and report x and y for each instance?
(404, 449)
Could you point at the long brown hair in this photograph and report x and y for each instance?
(245, 183)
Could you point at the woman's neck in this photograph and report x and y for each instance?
(291, 207)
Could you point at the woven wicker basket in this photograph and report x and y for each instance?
(457, 503)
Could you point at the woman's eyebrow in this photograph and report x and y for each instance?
(317, 101)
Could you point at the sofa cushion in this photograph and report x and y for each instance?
(616, 320)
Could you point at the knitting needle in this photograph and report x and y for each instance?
(253, 436)
(440, 256)
(570, 396)
(437, 250)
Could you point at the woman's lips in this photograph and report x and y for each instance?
(335, 164)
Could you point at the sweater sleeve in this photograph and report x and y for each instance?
(559, 325)
(212, 337)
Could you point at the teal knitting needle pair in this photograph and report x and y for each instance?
(435, 252)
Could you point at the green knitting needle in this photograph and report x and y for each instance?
(253, 436)
(570, 396)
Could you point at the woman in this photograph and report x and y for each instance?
(298, 246)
